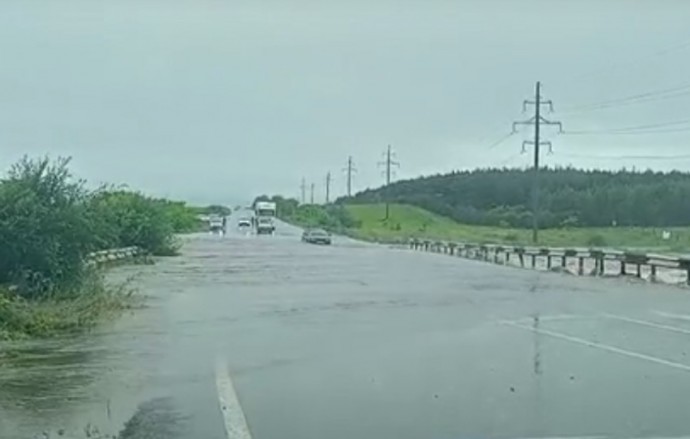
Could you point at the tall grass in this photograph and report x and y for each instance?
(71, 311)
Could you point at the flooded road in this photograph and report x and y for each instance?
(357, 340)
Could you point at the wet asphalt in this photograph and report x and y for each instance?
(359, 340)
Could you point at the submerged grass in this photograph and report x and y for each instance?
(66, 312)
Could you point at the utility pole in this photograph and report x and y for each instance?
(350, 169)
(537, 120)
(328, 186)
(303, 187)
(388, 163)
(312, 193)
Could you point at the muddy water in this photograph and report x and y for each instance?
(355, 340)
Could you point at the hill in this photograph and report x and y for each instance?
(568, 197)
(411, 221)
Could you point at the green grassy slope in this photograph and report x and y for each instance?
(409, 221)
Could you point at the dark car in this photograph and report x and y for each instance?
(316, 236)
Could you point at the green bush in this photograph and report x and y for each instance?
(596, 240)
(49, 222)
(510, 237)
(131, 219)
(45, 230)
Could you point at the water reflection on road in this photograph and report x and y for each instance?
(356, 340)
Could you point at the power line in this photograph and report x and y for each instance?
(640, 98)
(350, 169)
(303, 188)
(499, 141)
(625, 133)
(388, 163)
(628, 157)
(637, 129)
(537, 120)
(510, 159)
(683, 44)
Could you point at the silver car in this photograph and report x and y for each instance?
(316, 236)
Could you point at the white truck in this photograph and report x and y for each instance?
(264, 214)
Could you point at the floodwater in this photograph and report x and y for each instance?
(358, 340)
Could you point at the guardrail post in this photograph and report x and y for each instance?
(597, 256)
(685, 264)
(507, 257)
(622, 268)
(639, 271)
(563, 261)
(496, 255)
(580, 265)
(534, 261)
(521, 256)
(601, 264)
(652, 276)
(548, 261)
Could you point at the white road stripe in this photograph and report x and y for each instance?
(554, 317)
(673, 316)
(603, 347)
(604, 437)
(562, 437)
(235, 422)
(646, 323)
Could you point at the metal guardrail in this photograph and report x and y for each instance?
(111, 255)
(528, 257)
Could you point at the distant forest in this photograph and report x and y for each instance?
(568, 197)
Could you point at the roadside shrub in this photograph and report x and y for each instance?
(510, 237)
(49, 222)
(182, 218)
(596, 240)
(45, 230)
(131, 219)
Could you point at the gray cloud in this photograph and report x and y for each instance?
(218, 101)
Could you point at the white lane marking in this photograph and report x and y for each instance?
(235, 422)
(563, 437)
(646, 323)
(603, 347)
(554, 317)
(673, 316)
(604, 437)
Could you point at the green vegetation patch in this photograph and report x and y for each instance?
(49, 223)
(413, 222)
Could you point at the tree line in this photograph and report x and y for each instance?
(332, 217)
(568, 197)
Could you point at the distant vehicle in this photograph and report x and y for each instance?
(265, 208)
(264, 212)
(316, 236)
(265, 225)
(244, 222)
(216, 224)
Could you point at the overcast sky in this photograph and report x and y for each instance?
(217, 101)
